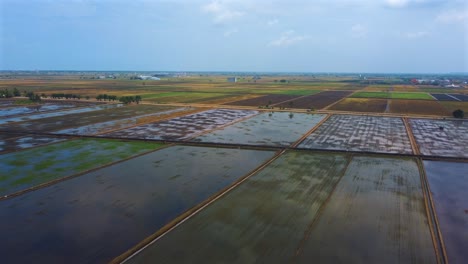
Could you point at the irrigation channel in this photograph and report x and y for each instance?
(191, 220)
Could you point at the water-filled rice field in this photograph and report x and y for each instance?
(360, 133)
(266, 129)
(27, 168)
(448, 138)
(448, 182)
(97, 216)
(327, 212)
(23, 110)
(14, 142)
(184, 127)
(71, 120)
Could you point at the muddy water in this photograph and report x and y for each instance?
(375, 215)
(21, 110)
(98, 216)
(22, 142)
(60, 113)
(262, 220)
(272, 129)
(449, 186)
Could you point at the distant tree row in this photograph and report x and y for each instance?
(8, 94)
(66, 96)
(33, 97)
(105, 97)
(130, 99)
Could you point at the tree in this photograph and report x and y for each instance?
(137, 99)
(16, 92)
(458, 113)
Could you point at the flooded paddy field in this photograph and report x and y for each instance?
(57, 113)
(23, 110)
(360, 133)
(81, 119)
(448, 182)
(317, 101)
(266, 129)
(461, 97)
(264, 100)
(450, 141)
(9, 142)
(99, 128)
(263, 220)
(375, 215)
(27, 168)
(97, 216)
(444, 97)
(184, 127)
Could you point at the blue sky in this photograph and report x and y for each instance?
(245, 35)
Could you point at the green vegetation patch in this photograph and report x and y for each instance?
(25, 169)
(392, 95)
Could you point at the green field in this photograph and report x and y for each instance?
(393, 95)
(24, 169)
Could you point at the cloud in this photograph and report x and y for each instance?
(272, 22)
(397, 3)
(415, 35)
(359, 31)
(230, 32)
(414, 3)
(453, 16)
(221, 12)
(287, 38)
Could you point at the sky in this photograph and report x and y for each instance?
(384, 36)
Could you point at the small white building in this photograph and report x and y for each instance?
(232, 79)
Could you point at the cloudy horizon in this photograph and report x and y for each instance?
(403, 36)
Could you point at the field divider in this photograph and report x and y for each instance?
(308, 231)
(410, 134)
(58, 180)
(434, 227)
(135, 250)
(295, 144)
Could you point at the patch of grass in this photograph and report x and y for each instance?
(384, 95)
(392, 95)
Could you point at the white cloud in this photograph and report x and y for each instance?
(453, 16)
(415, 35)
(287, 38)
(272, 22)
(359, 31)
(230, 32)
(221, 12)
(397, 3)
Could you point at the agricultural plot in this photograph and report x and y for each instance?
(461, 97)
(452, 106)
(375, 215)
(360, 133)
(184, 127)
(448, 182)
(444, 97)
(317, 101)
(6, 102)
(361, 105)
(56, 114)
(261, 221)
(393, 95)
(417, 107)
(450, 141)
(23, 110)
(185, 97)
(82, 119)
(97, 216)
(13, 143)
(103, 127)
(25, 169)
(267, 129)
(264, 100)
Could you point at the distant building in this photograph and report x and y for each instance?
(232, 79)
(145, 77)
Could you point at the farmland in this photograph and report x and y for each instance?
(337, 168)
(361, 105)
